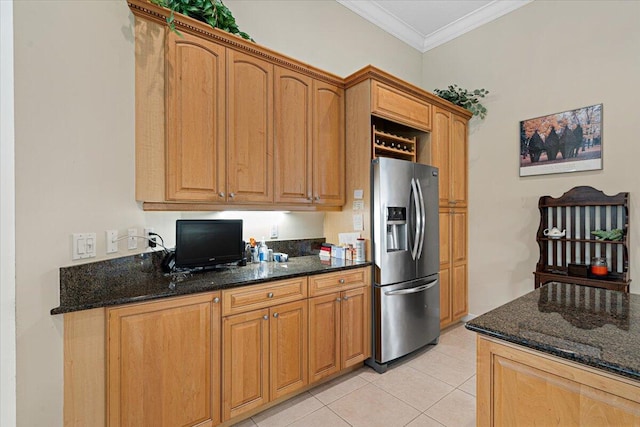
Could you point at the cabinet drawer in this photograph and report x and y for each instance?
(400, 106)
(348, 279)
(248, 298)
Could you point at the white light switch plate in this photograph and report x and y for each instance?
(83, 245)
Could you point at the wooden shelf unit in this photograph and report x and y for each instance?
(386, 145)
(580, 211)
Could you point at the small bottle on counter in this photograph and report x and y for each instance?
(263, 251)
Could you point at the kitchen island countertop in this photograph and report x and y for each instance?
(591, 326)
(140, 278)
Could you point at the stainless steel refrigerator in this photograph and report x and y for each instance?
(406, 289)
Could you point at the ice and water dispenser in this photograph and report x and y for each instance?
(396, 229)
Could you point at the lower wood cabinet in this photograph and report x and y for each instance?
(209, 358)
(453, 265)
(264, 356)
(339, 324)
(163, 363)
(518, 386)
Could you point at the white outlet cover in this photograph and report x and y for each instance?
(132, 241)
(110, 238)
(274, 231)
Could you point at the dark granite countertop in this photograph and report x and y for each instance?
(140, 278)
(592, 326)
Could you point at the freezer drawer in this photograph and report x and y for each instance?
(407, 317)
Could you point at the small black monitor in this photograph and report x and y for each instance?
(202, 243)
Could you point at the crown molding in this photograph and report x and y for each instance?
(380, 17)
(473, 20)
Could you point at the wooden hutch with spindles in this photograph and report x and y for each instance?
(566, 258)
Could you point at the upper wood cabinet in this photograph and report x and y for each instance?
(449, 154)
(328, 144)
(293, 156)
(250, 129)
(209, 107)
(400, 106)
(195, 119)
(309, 140)
(163, 363)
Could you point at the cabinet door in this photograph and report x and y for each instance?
(245, 343)
(445, 296)
(399, 106)
(292, 139)
(195, 119)
(160, 363)
(250, 129)
(355, 337)
(440, 152)
(459, 298)
(324, 336)
(328, 145)
(288, 349)
(523, 387)
(458, 161)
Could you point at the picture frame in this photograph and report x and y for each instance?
(569, 141)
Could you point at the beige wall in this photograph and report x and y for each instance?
(543, 58)
(327, 35)
(74, 131)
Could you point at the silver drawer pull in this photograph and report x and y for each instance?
(345, 298)
(221, 194)
(341, 281)
(270, 295)
(338, 299)
(232, 195)
(275, 314)
(265, 317)
(216, 300)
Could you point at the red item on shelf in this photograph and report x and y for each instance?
(599, 270)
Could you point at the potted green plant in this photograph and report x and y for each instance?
(212, 12)
(465, 99)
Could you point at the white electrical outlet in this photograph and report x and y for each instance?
(274, 231)
(111, 239)
(147, 237)
(132, 241)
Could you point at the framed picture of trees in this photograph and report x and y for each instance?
(570, 141)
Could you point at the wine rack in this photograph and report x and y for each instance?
(389, 145)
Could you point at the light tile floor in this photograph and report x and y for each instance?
(435, 387)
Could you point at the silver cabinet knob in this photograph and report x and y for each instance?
(232, 195)
(270, 295)
(216, 300)
(345, 298)
(338, 299)
(309, 198)
(341, 281)
(275, 314)
(317, 198)
(265, 317)
(221, 194)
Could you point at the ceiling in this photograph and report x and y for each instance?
(425, 24)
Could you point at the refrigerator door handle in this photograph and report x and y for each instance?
(414, 190)
(423, 220)
(412, 290)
